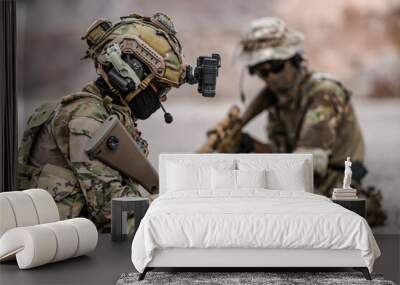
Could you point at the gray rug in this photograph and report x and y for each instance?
(242, 278)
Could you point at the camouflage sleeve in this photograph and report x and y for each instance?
(321, 119)
(99, 182)
(318, 132)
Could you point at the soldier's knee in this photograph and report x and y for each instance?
(71, 206)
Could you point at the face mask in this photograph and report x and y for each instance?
(148, 101)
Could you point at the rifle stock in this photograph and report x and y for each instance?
(113, 145)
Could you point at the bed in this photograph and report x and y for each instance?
(245, 211)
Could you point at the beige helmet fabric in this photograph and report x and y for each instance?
(268, 39)
(151, 39)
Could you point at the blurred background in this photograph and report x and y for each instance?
(357, 41)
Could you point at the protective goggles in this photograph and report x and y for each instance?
(265, 68)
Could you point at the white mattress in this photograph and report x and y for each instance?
(250, 219)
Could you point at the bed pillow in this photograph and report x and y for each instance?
(290, 177)
(281, 174)
(223, 179)
(188, 177)
(251, 178)
(187, 174)
(230, 180)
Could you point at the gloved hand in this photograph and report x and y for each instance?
(249, 144)
(246, 144)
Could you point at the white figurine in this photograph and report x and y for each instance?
(345, 193)
(347, 174)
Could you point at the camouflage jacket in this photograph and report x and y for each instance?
(320, 120)
(52, 156)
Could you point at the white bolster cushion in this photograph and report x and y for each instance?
(26, 208)
(46, 208)
(87, 235)
(33, 246)
(24, 211)
(40, 244)
(7, 218)
(67, 240)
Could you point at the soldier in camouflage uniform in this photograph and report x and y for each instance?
(52, 156)
(308, 112)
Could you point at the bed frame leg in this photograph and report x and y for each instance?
(364, 271)
(143, 274)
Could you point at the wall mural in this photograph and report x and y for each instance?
(323, 82)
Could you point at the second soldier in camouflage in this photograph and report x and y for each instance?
(308, 111)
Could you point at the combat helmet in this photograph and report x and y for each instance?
(268, 39)
(139, 59)
(151, 40)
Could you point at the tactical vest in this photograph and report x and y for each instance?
(42, 116)
(314, 83)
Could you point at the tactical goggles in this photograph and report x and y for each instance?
(265, 68)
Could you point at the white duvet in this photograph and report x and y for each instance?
(250, 219)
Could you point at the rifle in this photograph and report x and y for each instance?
(226, 136)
